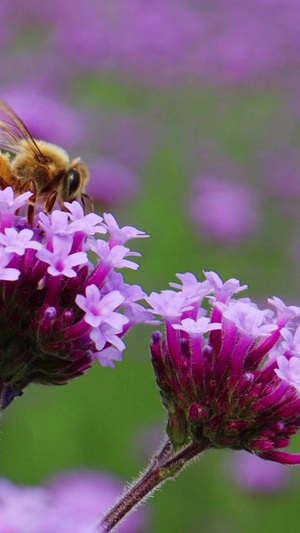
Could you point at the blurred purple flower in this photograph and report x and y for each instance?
(83, 496)
(124, 137)
(166, 40)
(224, 210)
(47, 117)
(7, 29)
(112, 182)
(282, 172)
(250, 472)
(23, 509)
(249, 41)
(209, 155)
(71, 503)
(35, 67)
(241, 42)
(159, 41)
(32, 12)
(141, 36)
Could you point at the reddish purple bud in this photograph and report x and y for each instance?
(197, 413)
(262, 445)
(237, 425)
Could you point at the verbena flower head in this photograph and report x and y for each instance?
(58, 311)
(229, 377)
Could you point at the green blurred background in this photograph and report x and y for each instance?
(102, 420)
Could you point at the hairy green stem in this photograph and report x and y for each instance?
(165, 465)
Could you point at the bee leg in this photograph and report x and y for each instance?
(84, 196)
(30, 186)
(30, 215)
(50, 202)
(3, 184)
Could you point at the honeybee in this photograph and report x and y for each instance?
(28, 164)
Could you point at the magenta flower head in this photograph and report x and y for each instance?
(59, 311)
(229, 378)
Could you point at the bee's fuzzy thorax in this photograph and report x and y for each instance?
(57, 154)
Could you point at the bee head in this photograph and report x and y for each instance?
(75, 179)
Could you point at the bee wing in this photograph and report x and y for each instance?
(13, 131)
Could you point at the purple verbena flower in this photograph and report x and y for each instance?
(289, 370)
(8, 274)
(9, 204)
(58, 310)
(57, 223)
(169, 304)
(232, 378)
(17, 242)
(107, 356)
(90, 223)
(114, 256)
(106, 334)
(247, 318)
(99, 309)
(224, 290)
(100, 314)
(120, 235)
(60, 260)
(196, 327)
(292, 342)
(136, 313)
(191, 286)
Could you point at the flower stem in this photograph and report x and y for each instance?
(165, 465)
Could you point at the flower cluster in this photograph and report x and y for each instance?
(231, 379)
(58, 311)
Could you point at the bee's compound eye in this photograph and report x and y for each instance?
(73, 181)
